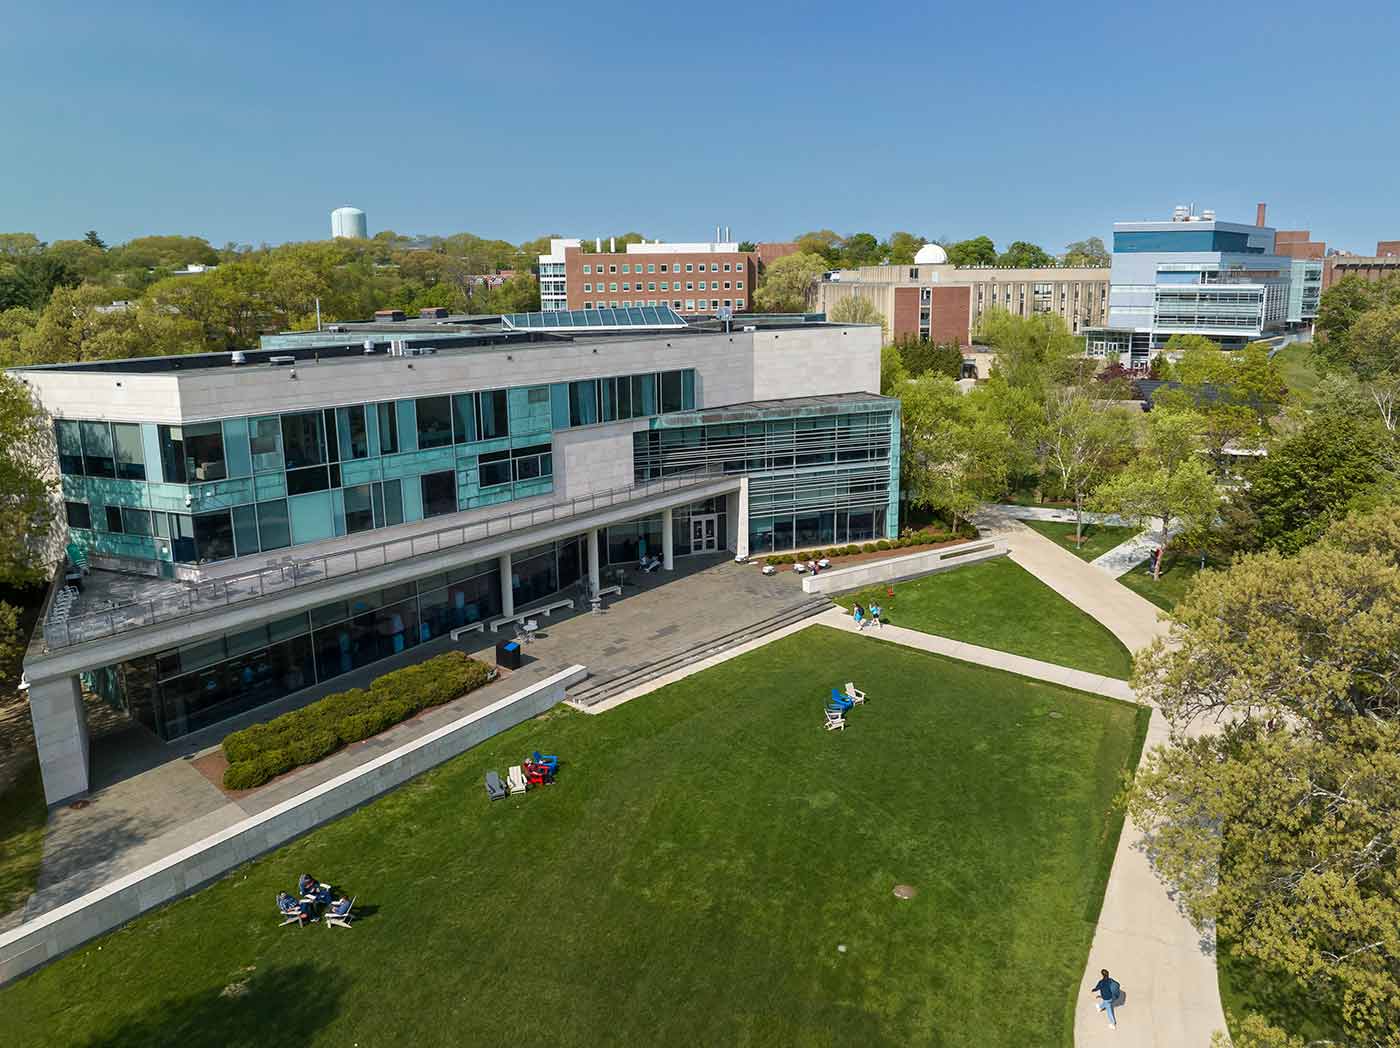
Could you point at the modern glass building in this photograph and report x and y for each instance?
(1196, 275)
(260, 524)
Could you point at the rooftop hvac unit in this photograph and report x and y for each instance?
(237, 357)
(281, 361)
(1208, 215)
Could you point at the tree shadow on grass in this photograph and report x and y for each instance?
(283, 1004)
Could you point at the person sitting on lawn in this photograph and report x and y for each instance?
(340, 907)
(304, 911)
(313, 889)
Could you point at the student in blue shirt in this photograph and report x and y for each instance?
(1108, 990)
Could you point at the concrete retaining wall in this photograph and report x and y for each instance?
(909, 566)
(72, 924)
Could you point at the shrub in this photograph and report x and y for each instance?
(264, 751)
(883, 545)
(869, 547)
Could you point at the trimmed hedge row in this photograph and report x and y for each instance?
(264, 751)
(916, 538)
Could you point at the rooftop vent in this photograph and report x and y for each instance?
(237, 357)
(433, 312)
(278, 362)
(388, 314)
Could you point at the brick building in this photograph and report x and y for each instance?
(693, 279)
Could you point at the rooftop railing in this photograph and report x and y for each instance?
(79, 627)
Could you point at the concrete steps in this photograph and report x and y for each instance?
(595, 689)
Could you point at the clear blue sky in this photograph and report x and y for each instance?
(1047, 122)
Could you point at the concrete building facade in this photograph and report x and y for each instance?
(693, 279)
(946, 303)
(257, 527)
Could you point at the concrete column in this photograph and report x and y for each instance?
(507, 585)
(61, 736)
(668, 542)
(595, 583)
(741, 523)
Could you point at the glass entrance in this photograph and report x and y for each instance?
(704, 533)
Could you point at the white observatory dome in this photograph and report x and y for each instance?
(930, 255)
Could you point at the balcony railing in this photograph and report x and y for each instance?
(210, 594)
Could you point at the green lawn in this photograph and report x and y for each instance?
(1098, 538)
(23, 815)
(998, 604)
(1296, 368)
(1177, 574)
(689, 881)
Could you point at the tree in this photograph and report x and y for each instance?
(953, 459)
(861, 249)
(1311, 478)
(786, 283)
(1159, 368)
(1341, 306)
(825, 243)
(1080, 445)
(856, 310)
(1089, 252)
(1373, 351)
(924, 357)
(1167, 482)
(1025, 255)
(19, 245)
(892, 371)
(91, 239)
(747, 245)
(1282, 826)
(28, 511)
(1032, 352)
(903, 247)
(32, 279)
(979, 251)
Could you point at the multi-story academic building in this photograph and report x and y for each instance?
(692, 279)
(1197, 275)
(258, 523)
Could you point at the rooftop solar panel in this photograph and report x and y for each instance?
(607, 317)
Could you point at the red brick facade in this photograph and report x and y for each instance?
(949, 308)
(681, 280)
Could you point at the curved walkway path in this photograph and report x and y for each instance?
(1171, 998)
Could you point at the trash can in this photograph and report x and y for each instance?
(508, 654)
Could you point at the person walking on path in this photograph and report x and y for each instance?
(875, 614)
(1108, 990)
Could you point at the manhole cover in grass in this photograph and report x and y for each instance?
(905, 891)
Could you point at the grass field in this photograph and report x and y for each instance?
(1178, 572)
(998, 604)
(1296, 368)
(23, 815)
(1098, 538)
(688, 881)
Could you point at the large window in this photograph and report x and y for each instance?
(265, 441)
(78, 513)
(583, 402)
(672, 392)
(354, 435)
(464, 418)
(204, 452)
(439, 493)
(359, 508)
(493, 418)
(388, 428)
(273, 527)
(434, 422)
(493, 469)
(213, 536)
(172, 454)
(98, 459)
(533, 462)
(302, 441)
(130, 453)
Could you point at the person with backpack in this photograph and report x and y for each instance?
(1108, 990)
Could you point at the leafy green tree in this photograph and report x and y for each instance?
(1025, 255)
(1311, 478)
(1373, 352)
(893, 374)
(856, 310)
(1080, 445)
(1166, 482)
(953, 458)
(28, 512)
(787, 281)
(1033, 352)
(1089, 252)
(1159, 368)
(747, 245)
(19, 245)
(979, 251)
(165, 252)
(1341, 306)
(861, 249)
(1282, 824)
(924, 357)
(903, 247)
(825, 243)
(91, 239)
(32, 279)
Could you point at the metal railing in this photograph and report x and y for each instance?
(215, 593)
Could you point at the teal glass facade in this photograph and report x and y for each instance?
(215, 490)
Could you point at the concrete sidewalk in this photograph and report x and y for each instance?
(1171, 996)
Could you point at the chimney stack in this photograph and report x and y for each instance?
(1259, 215)
(598, 244)
(612, 245)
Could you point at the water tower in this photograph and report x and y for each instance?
(349, 222)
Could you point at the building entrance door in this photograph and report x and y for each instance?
(704, 533)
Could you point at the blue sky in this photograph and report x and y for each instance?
(1047, 122)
